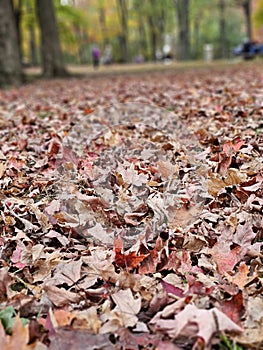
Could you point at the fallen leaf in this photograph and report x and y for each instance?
(18, 339)
(199, 323)
(68, 339)
(217, 182)
(128, 260)
(60, 296)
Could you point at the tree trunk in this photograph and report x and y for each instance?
(156, 21)
(196, 37)
(142, 41)
(32, 45)
(18, 14)
(10, 64)
(52, 60)
(123, 37)
(247, 13)
(182, 11)
(153, 37)
(222, 28)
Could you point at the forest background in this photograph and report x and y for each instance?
(132, 28)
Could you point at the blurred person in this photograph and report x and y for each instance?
(96, 56)
(107, 57)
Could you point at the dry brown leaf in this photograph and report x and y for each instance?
(67, 272)
(217, 182)
(60, 296)
(124, 313)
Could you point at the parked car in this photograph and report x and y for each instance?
(248, 50)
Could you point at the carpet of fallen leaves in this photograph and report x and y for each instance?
(131, 211)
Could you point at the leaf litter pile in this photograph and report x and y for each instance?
(131, 212)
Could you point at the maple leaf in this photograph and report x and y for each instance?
(224, 257)
(126, 260)
(67, 273)
(54, 147)
(253, 332)
(169, 288)
(124, 313)
(234, 307)
(200, 323)
(16, 258)
(241, 278)
(233, 145)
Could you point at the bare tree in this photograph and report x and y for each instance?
(10, 64)
(182, 12)
(52, 60)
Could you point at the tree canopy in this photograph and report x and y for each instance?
(143, 28)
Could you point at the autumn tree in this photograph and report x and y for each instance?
(52, 60)
(183, 45)
(10, 63)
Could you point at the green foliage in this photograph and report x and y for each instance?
(227, 344)
(7, 317)
(258, 16)
(72, 22)
(205, 28)
(150, 23)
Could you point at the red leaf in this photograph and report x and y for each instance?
(234, 308)
(233, 146)
(128, 261)
(154, 256)
(169, 288)
(88, 110)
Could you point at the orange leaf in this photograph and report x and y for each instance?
(19, 338)
(88, 110)
(128, 261)
(63, 317)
